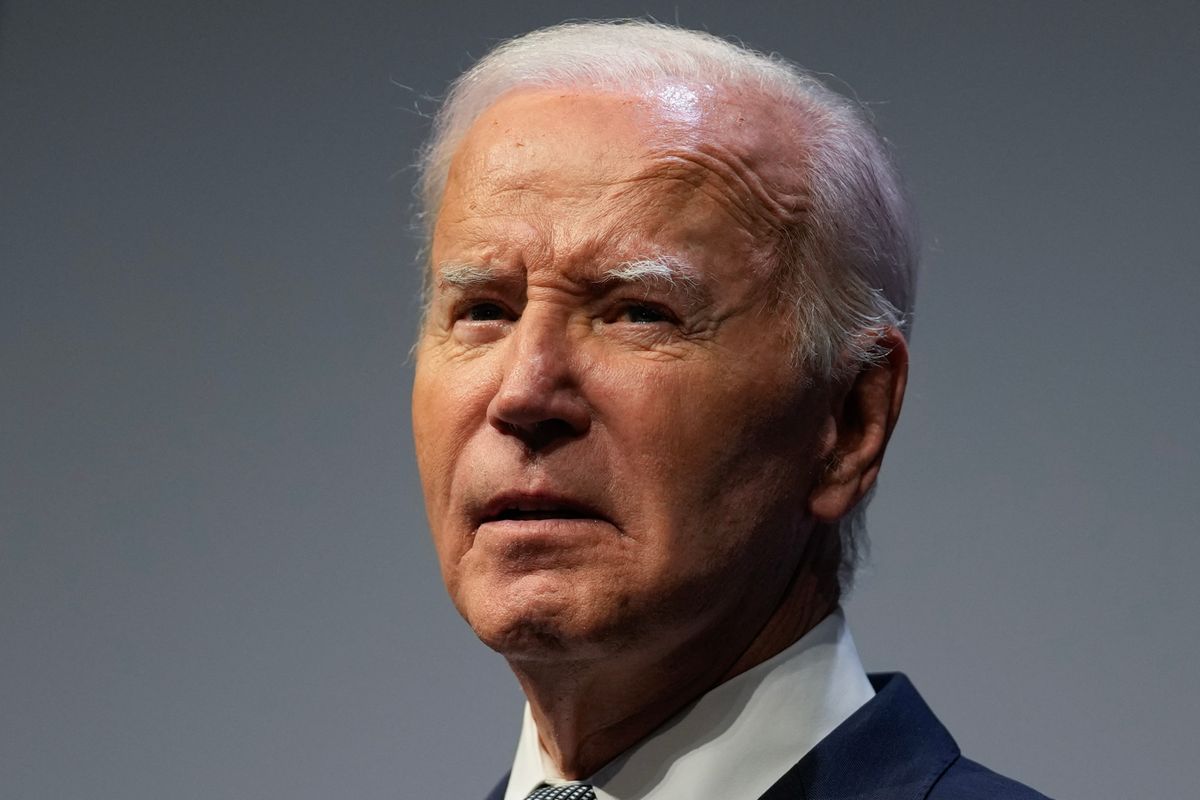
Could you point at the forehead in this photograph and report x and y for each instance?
(531, 137)
(562, 164)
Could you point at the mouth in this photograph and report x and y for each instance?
(536, 507)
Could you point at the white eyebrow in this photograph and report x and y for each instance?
(668, 270)
(463, 275)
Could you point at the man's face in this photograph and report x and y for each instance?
(615, 446)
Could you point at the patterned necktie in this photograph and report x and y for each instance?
(568, 791)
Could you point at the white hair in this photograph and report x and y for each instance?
(848, 264)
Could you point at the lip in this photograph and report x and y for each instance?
(537, 507)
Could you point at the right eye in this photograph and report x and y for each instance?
(483, 312)
(481, 321)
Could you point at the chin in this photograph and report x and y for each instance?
(532, 621)
(525, 640)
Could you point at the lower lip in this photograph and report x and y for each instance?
(553, 528)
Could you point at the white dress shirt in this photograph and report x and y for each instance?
(734, 742)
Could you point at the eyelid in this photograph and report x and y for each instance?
(665, 310)
(463, 306)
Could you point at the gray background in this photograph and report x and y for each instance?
(215, 579)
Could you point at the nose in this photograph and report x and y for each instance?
(539, 400)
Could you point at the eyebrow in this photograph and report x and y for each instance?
(662, 271)
(463, 275)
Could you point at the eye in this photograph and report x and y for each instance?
(643, 314)
(478, 321)
(484, 312)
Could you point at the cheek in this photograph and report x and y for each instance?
(707, 446)
(697, 413)
(449, 402)
(641, 406)
(449, 391)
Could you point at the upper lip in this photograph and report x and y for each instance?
(549, 504)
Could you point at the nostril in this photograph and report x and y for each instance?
(539, 415)
(538, 399)
(550, 433)
(543, 433)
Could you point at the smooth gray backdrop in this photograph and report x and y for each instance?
(215, 578)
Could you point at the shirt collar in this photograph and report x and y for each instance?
(736, 740)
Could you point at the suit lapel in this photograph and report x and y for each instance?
(893, 748)
(497, 793)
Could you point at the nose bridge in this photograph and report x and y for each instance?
(539, 355)
(539, 381)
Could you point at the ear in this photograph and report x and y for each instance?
(862, 414)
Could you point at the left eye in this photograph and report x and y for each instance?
(644, 314)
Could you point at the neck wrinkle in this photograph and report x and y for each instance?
(587, 715)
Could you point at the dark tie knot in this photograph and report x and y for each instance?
(567, 791)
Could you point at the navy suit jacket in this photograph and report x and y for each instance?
(893, 748)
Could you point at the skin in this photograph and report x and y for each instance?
(665, 463)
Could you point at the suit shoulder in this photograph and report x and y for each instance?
(965, 779)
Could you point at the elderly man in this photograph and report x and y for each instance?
(663, 351)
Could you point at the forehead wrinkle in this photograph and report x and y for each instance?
(514, 211)
(731, 180)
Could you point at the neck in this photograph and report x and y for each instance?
(589, 713)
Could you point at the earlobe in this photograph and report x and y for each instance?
(862, 418)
